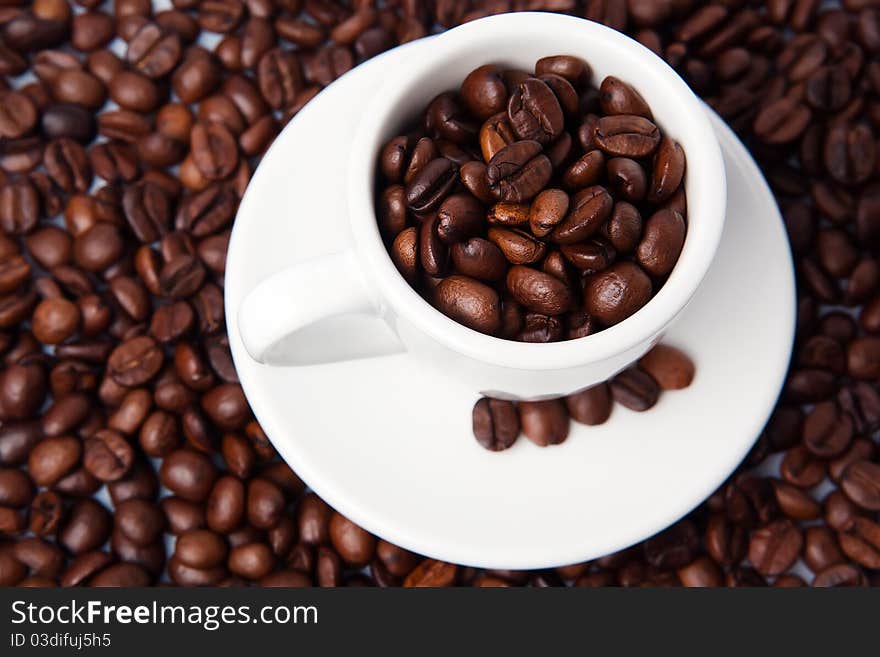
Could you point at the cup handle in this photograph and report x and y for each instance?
(318, 311)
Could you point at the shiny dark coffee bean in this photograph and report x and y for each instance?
(861, 483)
(495, 423)
(518, 172)
(627, 135)
(534, 112)
(617, 97)
(480, 259)
(538, 291)
(430, 186)
(470, 302)
(635, 389)
(588, 210)
(616, 293)
(544, 422)
(591, 406)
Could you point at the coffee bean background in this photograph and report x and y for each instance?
(128, 454)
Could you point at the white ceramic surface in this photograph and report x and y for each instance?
(319, 311)
(389, 444)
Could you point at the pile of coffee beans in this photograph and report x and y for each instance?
(497, 422)
(515, 205)
(128, 454)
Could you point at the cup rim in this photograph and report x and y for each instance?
(646, 323)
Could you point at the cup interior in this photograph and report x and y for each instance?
(518, 40)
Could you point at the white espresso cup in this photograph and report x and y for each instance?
(355, 304)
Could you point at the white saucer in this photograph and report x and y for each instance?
(391, 447)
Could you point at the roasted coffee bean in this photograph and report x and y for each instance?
(635, 389)
(538, 291)
(459, 217)
(534, 112)
(135, 361)
(667, 172)
(863, 358)
(225, 508)
(265, 504)
(154, 51)
(591, 406)
(55, 320)
(445, 120)
(480, 259)
(483, 92)
(495, 134)
(548, 209)
(589, 209)
(775, 547)
(313, 520)
(859, 449)
(861, 483)
(159, 434)
(182, 515)
(431, 185)
(669, 367)
(589, 257)
(627, 179)
(781, 121)
(617, 97)
(518, 172)
(470, 302)
(661, 242)
(821, 549)
(140, 521)
(188, 474)
(17, 439)
(98, 247)
(544, 422)
(19, 207)
(862, 543)
(107, 455)
(616, 293)
(518, 246)
(850, 153)
(795, 503)
(495, 423)
(71, 121)
(405, 253)
(87, 527)
(200, 548)
(840, 575)
(827, 432)
(16, 488)
(50, 246)
(800, 468)
(540, 328)
(626, 135)
(432, 573)
(474, 178)
(433, 252)
(355, 545)
(564, 91)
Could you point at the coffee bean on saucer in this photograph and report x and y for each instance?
(668, 366)
(635, 389)
(544, 422)
(591, 406)
(495, 423)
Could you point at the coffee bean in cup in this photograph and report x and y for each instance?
(533, 206)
